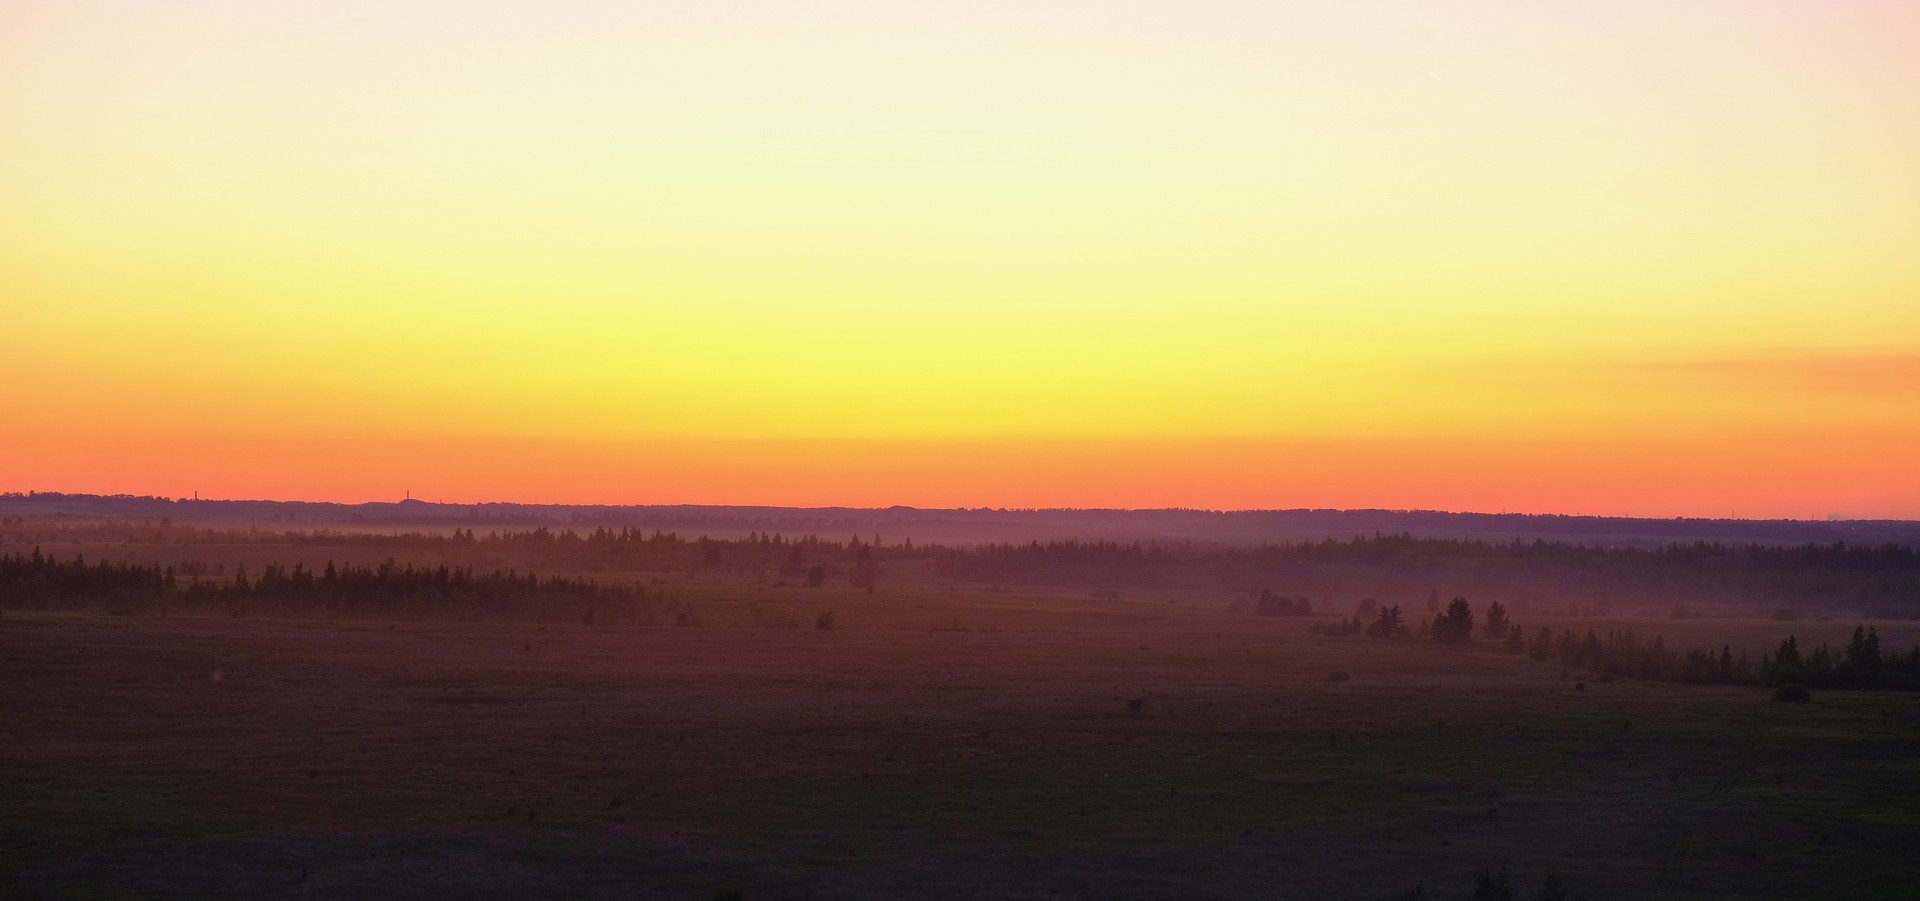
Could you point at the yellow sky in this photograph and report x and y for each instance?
(1649, 257)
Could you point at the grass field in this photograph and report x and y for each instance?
(956, 745)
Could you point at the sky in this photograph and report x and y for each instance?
(1629, 258)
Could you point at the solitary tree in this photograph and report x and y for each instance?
(1456, 625)
(865, 570)
(1496, 627)
(1388, 624)
(1863, 653)
(1786, 662)
(1542, 646)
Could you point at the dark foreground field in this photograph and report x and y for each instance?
(997, 757)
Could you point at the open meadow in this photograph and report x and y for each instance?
(1410, 450)
(935, 742)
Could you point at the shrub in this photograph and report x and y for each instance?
(1491, 886)
(825, 621)
(1793, 693)
(1338, 676)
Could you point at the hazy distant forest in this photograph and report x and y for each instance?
(474, 573)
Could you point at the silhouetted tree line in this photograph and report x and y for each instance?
(1621, 654)
(841, 520)
(1882, 580)
(808, 558)
(387, 589)
(40, 580)
(1861, 664)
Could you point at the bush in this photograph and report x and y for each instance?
(1793, 693)
(1491, 886)
(1338, 676)
(825, 621)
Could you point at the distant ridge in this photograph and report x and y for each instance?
(963, 526)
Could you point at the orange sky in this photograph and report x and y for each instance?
(1643, 258)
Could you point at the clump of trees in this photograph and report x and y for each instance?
(1388, 624)
(1271, 604)
(1621, 654)
(42, 581)
(1862, 664)
(1340, 627)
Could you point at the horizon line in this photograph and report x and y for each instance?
(408, 499)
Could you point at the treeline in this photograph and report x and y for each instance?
(1881, 580)
(1877, 580)
(602, 549)
(1620, 654)
(385, 590)
(1861, 664)
(984, 523)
